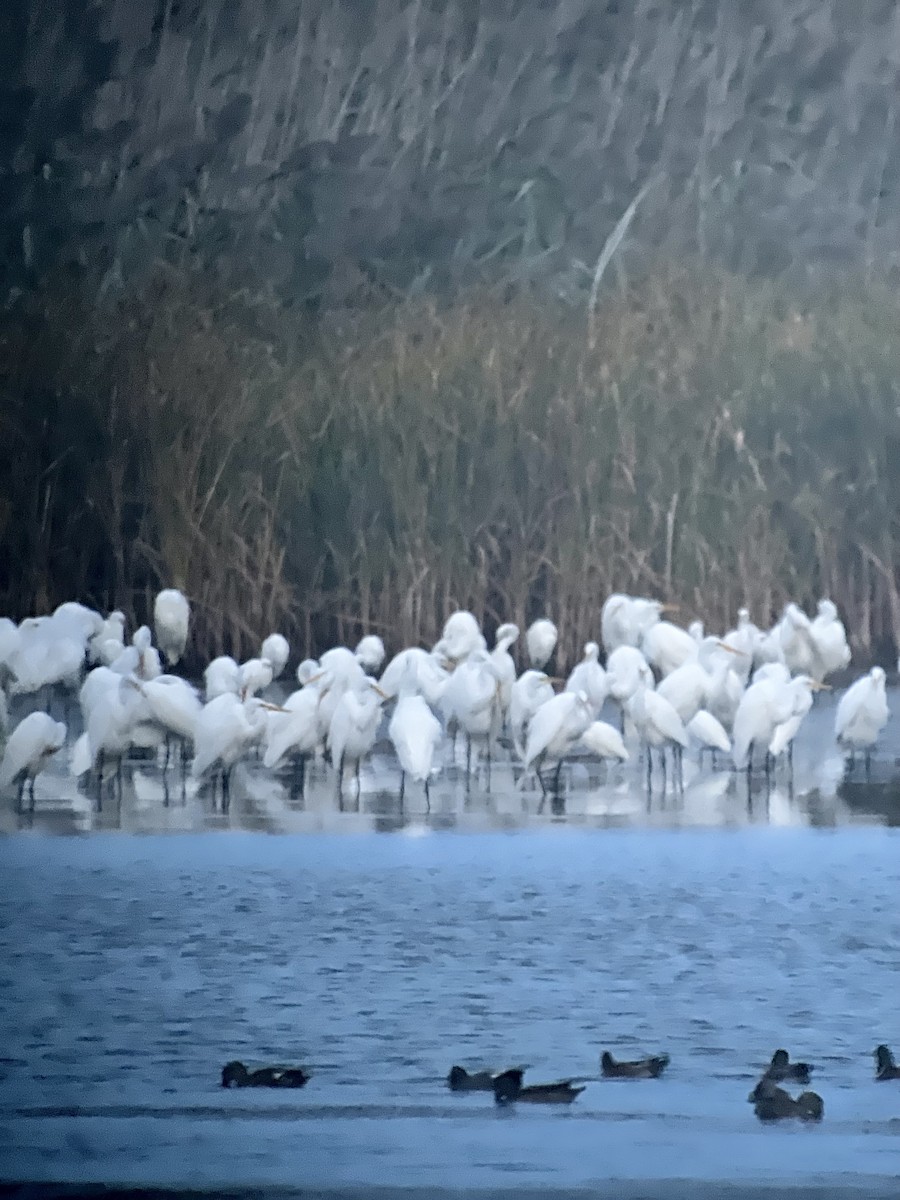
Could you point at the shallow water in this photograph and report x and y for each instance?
(821, 789)
(716, 925)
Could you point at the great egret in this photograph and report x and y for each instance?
(708, 733)
(276, 651)
(667, 646)
(503, 661)
(689, 687)
(797, 644)
(625, 619)
(554, 730)
(589, 677)
(830, 640)
(783, 737)
(460, 638)
(171, 621)
(370, 652)
(767, 703)
(295, 730)
(862, 713)
(341, 671)
(658, 725)
(472, 698)
(530, 691)
(109, 640)
(415, 732)
(114, 708)
(354, 727)
(745, 639)
(149, 666)
(224, 731)
(256, 675)
(222, 677)
(540, 641)
(431, 675)
(626, 668)
(605, 741)
(31, 744)
(175, 706)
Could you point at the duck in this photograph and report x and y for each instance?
(235, 1074)
(508, 1088)
(781, 1068)
(642, 1068)
(885, 1067)
(772, 1103)
(461, 1080)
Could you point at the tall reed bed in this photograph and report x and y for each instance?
(709, 439)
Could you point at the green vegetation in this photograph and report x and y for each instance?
(703, 437)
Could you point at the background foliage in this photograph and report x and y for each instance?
(342, 313)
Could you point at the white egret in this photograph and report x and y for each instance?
(540, 641)
(784, 734)
(708, 733)
(744, 638)
(431, 675)
(830, 640)
(862, 713)
(370, 652)
(667, 646)
(689, 687)
(625, 619)
(605, 741)
(224, 731)
(109, 639)
(503, 661)
(589, 677)
(415, 732)
(222, 677)
(626, 668)
(9, 644)
(553, 731)
(256, 675)
(797, 644)
(149, 666)
(276, 651)
(657, 724)
(31, 744)
(461, 637)
(171, 621)
(175, 706)
(354, 727)
(472, 698)
(530, 691)
(767, 703)
(114, 708)
(295, 731)
(342, 671)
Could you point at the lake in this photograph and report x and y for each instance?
(717, 926)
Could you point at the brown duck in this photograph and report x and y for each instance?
(772, 1103)
(781, 1068)
(885, 1067)
(461, 1080)
(236, 1075)
(642, 1068)
(508, 1088)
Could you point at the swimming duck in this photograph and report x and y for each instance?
(773, 1103)
(642, 1068)
(781, 1068)
(235, 1074)
(885, 1067)
(460, 1080)
(508, 1087)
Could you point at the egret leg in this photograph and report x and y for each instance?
(868, 765)
(649, 767)
(468, 761)
(427, 795)
(712, 758)
(358, 784)
(226, 789)
(662, 755)
(556, 777)
(20, 795)
(489, 763)
(168, 751)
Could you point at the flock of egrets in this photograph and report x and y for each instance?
(743, 695)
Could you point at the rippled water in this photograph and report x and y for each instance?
(133, 968)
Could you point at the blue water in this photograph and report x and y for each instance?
(133, 968)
